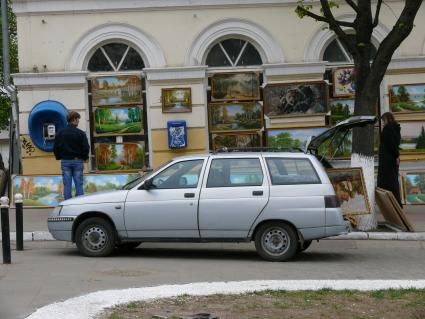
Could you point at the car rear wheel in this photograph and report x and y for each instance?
(95, 237)
(276, 242)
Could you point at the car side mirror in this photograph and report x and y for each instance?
(148, 184)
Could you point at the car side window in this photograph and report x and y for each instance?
(291, 171)
(179, 175)
(235, 172)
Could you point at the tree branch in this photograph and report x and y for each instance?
(378, 10)
(323, 19)
(353, 5)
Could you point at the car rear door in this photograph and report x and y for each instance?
(235, 191)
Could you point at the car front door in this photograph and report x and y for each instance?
(169, 208)
(234, 193)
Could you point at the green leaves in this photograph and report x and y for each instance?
(302, 8)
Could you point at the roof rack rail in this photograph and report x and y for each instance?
(259, 149)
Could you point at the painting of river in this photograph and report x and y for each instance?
(407, 98)
(114, 90)
(47, 191)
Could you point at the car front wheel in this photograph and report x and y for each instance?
(276, 242)
(95, 237)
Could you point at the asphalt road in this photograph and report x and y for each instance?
(52, 271)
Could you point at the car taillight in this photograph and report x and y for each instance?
(331, 201)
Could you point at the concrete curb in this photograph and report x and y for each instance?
(419, 236)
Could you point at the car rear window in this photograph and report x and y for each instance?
(291, 171)
(235, 172)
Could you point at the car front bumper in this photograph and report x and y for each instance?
(61, 227)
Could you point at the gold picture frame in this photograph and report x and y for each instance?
(235, 87)
(176, 100)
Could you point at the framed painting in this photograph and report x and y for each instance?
(407, 98)
(350, 189)
(341, 109)
(176, 100)
(235, 116)
(116, 90)
(296, 99)
(112, 121)
(41, 191)
(344, 82)
(236, 140)
(120, 156)
(412, 137)
(293, 137)
(414, 188)
(235, 87)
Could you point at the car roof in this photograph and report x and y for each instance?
(242, 154)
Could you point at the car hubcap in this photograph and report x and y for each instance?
(95, 238)
(275, 241)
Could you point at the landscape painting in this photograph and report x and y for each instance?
(350, 189)
(176, 100)
(114, 90)
(341, 146)
(118, 120)
(237, 140)
(341, 110)
(47, 191)
(414, 188)
(235, 87)
(120, 156)
(296, 99)
(407, 98)
(344, 82)
(235, 116)
(412, 137)
(292, 138)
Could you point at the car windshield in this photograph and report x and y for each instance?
(145, 176)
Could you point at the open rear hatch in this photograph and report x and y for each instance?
(327, 144)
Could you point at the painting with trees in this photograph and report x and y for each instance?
(341, 110)
(412, 137)
(47, 191)
(292, 138)
(236, 140)
(235, 116)
(235, 87)
(116, 90)
(407, 98)
(414, 188)
(120, 156)
(118, 121)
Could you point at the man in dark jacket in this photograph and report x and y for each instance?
(72, 148)
(389, 156)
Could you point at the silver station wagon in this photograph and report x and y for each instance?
(280, 200)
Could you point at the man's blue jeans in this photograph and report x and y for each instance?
(72, 170)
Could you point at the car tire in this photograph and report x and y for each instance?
(95, 237)
(128, 245)
(276, 242)
(305, 245)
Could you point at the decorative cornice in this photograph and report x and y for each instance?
(23, 7)
(49, 79)
(417, 62)
(175, 73)
(280, 69)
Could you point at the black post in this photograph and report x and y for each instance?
(5, 229)
(19, 222)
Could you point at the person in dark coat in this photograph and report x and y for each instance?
(389, 156)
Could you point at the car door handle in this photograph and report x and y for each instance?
(257, 193)
(189, 195)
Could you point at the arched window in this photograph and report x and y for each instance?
(337, 52)
(115, 57)
(233, 53)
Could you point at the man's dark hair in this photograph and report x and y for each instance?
(72, 115)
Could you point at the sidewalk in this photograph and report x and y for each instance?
(35, 226)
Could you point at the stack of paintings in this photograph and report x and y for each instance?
(235, 115)
(47, 190)
(117, 106)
